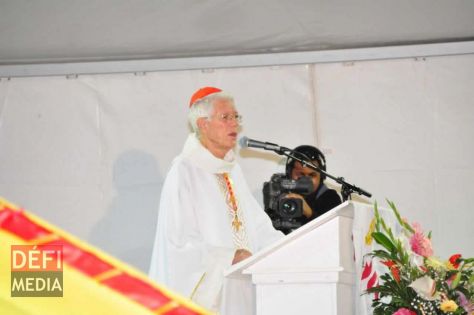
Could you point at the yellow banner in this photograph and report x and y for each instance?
(92, 281)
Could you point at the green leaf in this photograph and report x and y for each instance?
(402, 255)
(377, 217)
(456, 280)
(468, 260)
(471, 280)
(384, 226)
(399, 218)
(383, 240)
(383, 255)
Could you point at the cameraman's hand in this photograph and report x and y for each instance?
(307, 211)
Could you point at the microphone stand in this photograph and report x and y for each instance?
(346, 188)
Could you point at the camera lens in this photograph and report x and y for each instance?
(289, 207)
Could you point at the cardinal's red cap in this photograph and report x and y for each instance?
(203, 92)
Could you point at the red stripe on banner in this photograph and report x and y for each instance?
(181, 310)
(80, 259)
(17, 223)
(138, 291)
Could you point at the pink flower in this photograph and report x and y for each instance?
(404, 311)
(465, 303)
(420, 244)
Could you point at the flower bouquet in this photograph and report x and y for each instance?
(416, 282)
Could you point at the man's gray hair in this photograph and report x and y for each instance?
(204, 108)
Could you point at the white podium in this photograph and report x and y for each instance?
(309, 271)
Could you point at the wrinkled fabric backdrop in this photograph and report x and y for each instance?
(89, 153)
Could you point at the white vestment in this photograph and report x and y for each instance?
(195, 239)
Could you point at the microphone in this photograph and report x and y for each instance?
(250, 143)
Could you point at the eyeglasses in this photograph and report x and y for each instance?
(230, 117)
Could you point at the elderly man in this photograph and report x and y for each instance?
(208, 219)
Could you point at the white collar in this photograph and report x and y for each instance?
(197, 154)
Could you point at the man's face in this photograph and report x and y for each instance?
(299, 171)
(219, 132)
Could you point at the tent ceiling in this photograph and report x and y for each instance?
(73, 31)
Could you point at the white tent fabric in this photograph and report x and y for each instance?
(90, 153)
(56, 31)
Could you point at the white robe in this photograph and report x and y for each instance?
(194, 242)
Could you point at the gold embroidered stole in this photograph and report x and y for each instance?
(235, 214)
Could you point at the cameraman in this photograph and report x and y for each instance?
(321, 199)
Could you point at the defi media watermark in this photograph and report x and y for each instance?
(36, 270)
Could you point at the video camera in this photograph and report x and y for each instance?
(285, 212)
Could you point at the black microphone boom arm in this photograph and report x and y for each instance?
(346, 188)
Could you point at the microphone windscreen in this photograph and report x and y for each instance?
(244, 142)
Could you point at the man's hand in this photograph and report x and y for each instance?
(240, 255)
(307, 211)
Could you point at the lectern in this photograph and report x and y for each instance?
(310, 271)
